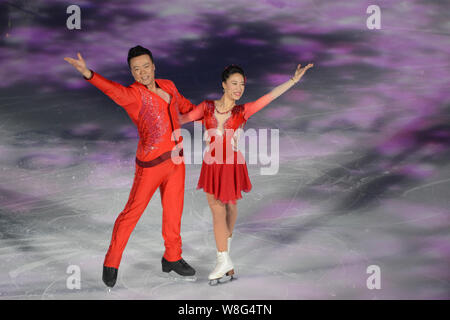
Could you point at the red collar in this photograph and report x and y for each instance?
(160, 84)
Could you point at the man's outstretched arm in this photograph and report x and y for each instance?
(121, 95)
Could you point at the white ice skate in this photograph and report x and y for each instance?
(224, 270)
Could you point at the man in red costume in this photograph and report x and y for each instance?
(153, 105)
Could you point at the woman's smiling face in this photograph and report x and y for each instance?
(234, 86)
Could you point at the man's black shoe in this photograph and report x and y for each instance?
(181, 267)
(109, 276)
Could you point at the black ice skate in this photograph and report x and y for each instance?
(109, 276)
(180, 267)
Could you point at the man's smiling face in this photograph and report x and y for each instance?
(142, 69)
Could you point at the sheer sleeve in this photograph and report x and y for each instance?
(193, 115)
(251, 108)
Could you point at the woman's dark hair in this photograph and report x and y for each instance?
(138, 51)
(232, 69)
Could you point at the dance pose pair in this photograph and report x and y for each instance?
(157, 109)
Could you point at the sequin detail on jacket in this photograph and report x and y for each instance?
(151, 124)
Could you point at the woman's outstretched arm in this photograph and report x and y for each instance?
(282, 88)
(253, 107)
(193, 115)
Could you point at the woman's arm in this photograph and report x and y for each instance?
(253, 107)
(282, 88)
(194, 114)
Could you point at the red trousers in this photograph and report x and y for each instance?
(169, 177)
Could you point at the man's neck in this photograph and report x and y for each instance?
(152, 86)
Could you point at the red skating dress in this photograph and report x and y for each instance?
(224, 171)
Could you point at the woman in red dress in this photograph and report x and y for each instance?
(224, 173)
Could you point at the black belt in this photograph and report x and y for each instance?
(158, 160)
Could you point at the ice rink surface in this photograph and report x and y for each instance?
(363, 177)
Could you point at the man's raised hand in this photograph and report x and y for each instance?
(301, 71)
(80, 65)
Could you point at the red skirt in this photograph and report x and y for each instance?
(225, 181)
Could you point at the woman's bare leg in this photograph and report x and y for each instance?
(219, 214)
(231, 217)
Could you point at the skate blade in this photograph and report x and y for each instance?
(176, 277)
(222, 280)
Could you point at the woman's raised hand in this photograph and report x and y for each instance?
(80, 65)
(301, 71)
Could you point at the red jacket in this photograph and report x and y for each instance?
(154, 118)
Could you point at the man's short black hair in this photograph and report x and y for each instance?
(138, 51)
